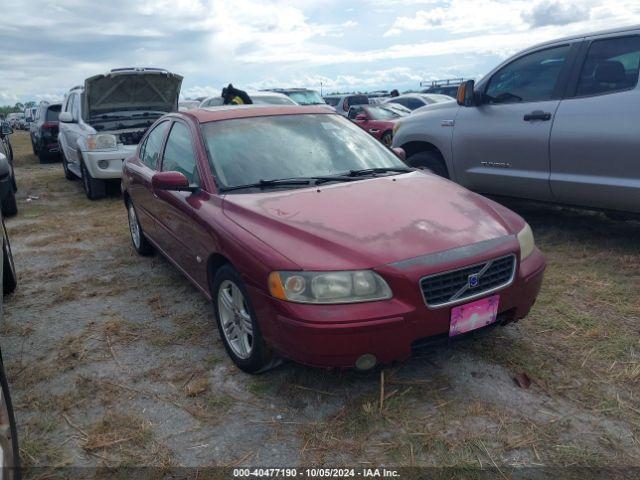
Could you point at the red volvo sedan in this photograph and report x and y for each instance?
(316, 243)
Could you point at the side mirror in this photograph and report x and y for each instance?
(466, 97)
(6, 128)
(361, 117)
(400, 153)
(65, 117)
(5, 168)
(171, 181)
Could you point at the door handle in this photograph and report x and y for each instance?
(537, 115)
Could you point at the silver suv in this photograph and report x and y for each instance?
(557, 122)
(102, 122)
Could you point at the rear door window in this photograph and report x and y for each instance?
(611, 65)
(530, 78)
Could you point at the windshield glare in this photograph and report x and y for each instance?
(384, 113)
(247, 150)
(308, 97)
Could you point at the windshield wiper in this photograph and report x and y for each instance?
(373, 171)
(290, 181)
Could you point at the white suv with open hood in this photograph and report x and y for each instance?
(102, 122)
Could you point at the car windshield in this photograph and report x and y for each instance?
(246, 150)
(384, 113)
(272, 100)
(305, 97)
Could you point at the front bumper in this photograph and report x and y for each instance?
(114, 159)
(337, 335)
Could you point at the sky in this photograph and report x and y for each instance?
(343, 45)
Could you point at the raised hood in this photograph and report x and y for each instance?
(367, 223)
(146, 89)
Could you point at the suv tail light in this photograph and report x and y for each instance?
(49, 125)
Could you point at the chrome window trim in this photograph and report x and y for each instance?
(458, 301)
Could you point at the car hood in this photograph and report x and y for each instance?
(367, 223)
(133, 91)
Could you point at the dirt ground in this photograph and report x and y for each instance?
(114, 359)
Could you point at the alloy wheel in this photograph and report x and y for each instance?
(134, 227)
(235, 319)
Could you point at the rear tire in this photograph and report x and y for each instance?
(33, 146)
(138, 239)
(236, 317)
(8, 202)
(429, 160)
(43, 156)
(93, 187)
(9, 276)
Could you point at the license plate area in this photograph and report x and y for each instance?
(474, 315)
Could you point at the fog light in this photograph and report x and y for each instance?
(366, 362)
(103, 164)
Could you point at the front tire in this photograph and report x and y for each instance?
(237, 324)
(94, 188)
(138, 240)
(429, 160)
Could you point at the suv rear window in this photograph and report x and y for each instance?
(52, 113)
(333, 101)
(358, 100)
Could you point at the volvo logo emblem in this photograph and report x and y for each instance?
(473, 280)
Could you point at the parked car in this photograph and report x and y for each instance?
(313, 240)
(29, 113)
(413, 101)
(188, 104)
(44, 131)
(8, 186)
(301, 96)
(9, 449)
(535, 126)
(102, 122)
(5, 141)
(447, 87)
(258, 98)
(14, 119)
(376, 120)
(342, 103)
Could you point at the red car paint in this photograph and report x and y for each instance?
(378, 128)
(404, 227)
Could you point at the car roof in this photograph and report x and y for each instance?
(228, 112)
(578, 36)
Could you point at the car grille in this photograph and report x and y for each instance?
(452, 286)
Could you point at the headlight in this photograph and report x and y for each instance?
(329, 287)
(101, 141)
(527, 244)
